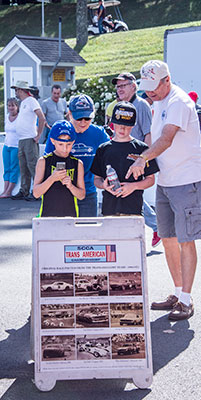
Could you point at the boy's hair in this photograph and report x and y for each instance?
(62, 128)
(124, 113)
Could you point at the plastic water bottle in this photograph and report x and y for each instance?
(112, 177)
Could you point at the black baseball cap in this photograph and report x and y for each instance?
(124, 113)
(123, 77)
(35, 91)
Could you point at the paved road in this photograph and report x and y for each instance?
(176, 346)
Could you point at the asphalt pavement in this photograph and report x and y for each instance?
(175, 345)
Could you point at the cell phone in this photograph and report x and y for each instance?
(60, 165)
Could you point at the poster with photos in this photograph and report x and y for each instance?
(91, 305)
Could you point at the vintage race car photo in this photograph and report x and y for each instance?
(48, 287)
(97, 350)
(83, 285)
(53, 351)
(127, 349)
(131, 319)
(92, 317)
(127, 284)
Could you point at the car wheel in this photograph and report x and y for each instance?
(49, 289)
(96, 354)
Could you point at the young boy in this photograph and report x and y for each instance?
(120, 153)
(60, 188)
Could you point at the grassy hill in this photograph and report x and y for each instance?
(138, 14)
(108, 54)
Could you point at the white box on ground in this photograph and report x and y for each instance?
(90, 312)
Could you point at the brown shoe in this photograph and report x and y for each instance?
(168, 304)
(181, 311)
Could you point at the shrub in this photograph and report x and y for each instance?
(100, 90)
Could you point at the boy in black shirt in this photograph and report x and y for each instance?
(120, 153)
(60, 188)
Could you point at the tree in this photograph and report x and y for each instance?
(81, 24)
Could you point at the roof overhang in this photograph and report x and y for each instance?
(63, 64)
(11, 48)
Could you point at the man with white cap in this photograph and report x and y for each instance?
(29, 135)
(176, 144)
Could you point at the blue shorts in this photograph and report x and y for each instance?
(178, 210)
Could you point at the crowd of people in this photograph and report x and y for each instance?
(163, 140)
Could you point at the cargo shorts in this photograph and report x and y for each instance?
(178, 210)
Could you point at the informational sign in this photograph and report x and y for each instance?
(59, 75)
(90, 300)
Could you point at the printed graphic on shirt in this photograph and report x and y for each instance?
(82, 149)
(69, 172)
(163, 115)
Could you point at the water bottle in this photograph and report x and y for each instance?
(112, 177)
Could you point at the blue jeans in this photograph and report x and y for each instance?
(88, 206)
(100, 25)
(149, 216)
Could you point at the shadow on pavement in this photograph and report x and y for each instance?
(166, 345)
(169, 340)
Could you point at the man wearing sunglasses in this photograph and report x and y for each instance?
(88, 139)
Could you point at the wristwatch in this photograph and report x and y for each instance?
(145, 159)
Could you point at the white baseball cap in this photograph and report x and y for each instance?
(151, 74)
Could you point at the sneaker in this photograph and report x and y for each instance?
(156, 240)
(18, 196)
(168, 304)
(30, 197)
(181, 311)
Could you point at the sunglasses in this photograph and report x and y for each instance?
(85, 118)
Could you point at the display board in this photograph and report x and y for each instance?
(90, 300)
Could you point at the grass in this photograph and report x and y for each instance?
(108, 54)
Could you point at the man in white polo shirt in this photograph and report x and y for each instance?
(29, 135)
(176, 144)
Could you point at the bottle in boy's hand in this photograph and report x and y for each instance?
(112, 177)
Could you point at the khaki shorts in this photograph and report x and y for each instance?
(178, 210)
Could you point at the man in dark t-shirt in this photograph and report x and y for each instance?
(101, 16)
(120, 153)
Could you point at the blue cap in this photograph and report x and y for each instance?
(62, 128)
(81, 106)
